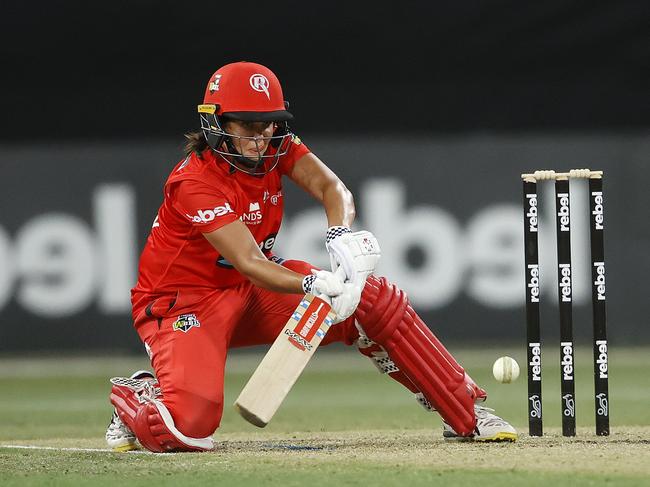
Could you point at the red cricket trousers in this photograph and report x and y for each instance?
(189, 354)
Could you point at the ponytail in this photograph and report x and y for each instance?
(195, 143)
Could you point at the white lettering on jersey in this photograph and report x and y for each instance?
(206, 216)
(254, 215)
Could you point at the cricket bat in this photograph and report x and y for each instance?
(284, 362)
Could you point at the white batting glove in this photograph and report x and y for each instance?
(340, 254)
(323, 282)
(344, 297)
(345, 303)
(357, 253)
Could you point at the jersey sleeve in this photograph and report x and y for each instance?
(204, 206)
(297, 149)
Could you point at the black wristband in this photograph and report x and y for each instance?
(308, 283)
(337, 231)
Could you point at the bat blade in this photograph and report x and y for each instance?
(284, 362)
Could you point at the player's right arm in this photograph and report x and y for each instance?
(211, 214)
(236, 244)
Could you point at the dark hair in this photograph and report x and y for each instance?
(195, 142)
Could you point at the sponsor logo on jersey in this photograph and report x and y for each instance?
(254, 215)
(265, 246)
(185, 322)
(532, 213)
(277, 259)
(206, 216)
(565, 282)
(599, 282)
(563, 212)
(260, 83)
(535, 363)
(599, 217)
(601, 361)
(567, 360)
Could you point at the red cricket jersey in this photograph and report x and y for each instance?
(201, 195)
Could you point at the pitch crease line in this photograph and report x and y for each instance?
(108, 450)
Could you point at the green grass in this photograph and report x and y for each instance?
(343, 423)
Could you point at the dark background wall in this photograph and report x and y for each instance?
(131, 69)
(428, 110)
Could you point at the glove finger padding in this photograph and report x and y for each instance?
(344, 297)
(346, 303)
(357, 253)
(334, 265)
(365, 252)
(323, 282)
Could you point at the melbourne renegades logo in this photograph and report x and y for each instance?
(260, 83)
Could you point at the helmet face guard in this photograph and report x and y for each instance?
(224, 143)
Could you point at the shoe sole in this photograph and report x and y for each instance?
(125, 448)
(499, 437)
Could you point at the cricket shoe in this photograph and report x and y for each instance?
(489, 427)
(118, 435)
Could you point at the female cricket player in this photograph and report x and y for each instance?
(209, 281)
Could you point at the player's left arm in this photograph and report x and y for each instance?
(357, 253)
(312, 175)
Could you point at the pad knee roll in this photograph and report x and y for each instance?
(388, 319)
(152, 424)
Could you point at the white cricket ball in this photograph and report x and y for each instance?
(505, 370)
